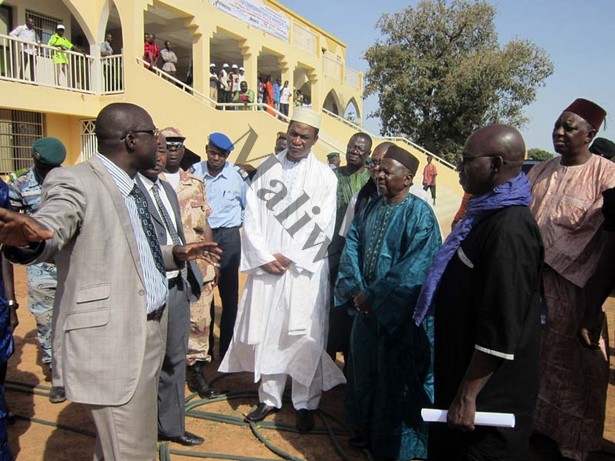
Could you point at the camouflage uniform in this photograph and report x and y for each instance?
(25, 196)
(195, 211)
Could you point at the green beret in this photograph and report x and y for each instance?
(49, 151)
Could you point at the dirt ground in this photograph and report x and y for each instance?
(44, 431)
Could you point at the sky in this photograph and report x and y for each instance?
(578, 36)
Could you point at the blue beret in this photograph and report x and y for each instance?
(221, 141)
(49, 151)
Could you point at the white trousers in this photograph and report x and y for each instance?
(271, 390)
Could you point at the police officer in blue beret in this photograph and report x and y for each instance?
(226, 186)
(25, 190)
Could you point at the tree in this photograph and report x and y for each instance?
(539, 154)
(440, 73)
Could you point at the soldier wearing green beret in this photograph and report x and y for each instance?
(25, 196)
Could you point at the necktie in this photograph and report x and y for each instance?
(148, 227)
(168, 222)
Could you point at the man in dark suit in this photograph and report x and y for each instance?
(112, 286)
(184, 286)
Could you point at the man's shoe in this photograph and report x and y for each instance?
(305, 420)
(260, 413)
(198, 384)
(57, 394)
(187, 439)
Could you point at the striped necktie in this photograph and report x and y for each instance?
(168, 222)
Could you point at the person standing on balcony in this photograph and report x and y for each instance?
(60, 59)
(225, 85)
(226, 186)
(242, 75)
(285, 95)
(169, 58)
(151, 51)
(244, 96)
(214, 82)
(268, 89)
(105, 51)
(42, 280)
(276, 94)
(233, 77)
(27, 51)
(194, 210)
(429, 178)
(350, 179)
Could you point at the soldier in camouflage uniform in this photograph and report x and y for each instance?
(194, 211)
(25, 188)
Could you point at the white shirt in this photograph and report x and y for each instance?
(23, 33)
(285, 94)
(173, 179)
(149, 185)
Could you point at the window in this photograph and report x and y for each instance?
(89, 145)
(45, 26)
(18, 131)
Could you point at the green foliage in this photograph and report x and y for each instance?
(539, 154)
(440, 73)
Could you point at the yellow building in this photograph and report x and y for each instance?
(41, 97)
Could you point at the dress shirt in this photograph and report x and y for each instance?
(226, 194)
(149, 185)
(156, 286)
(23, 33)
(105, 49)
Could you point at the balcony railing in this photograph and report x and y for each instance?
(43, 65)
(352, 77)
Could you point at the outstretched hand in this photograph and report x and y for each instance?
(18, 229)
(207, 251)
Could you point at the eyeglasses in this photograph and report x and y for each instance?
(154, 132)
(175, 144)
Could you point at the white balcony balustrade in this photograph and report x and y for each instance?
(39, 64)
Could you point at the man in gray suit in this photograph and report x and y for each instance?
(184, 287)
(112, 287)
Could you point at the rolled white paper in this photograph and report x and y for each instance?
(482, 418)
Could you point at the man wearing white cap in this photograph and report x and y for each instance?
(225, 84)
(214, 81)
(60, 58)
(233, 77)
(281, 322)
(242, 75)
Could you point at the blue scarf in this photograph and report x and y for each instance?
(513, 192)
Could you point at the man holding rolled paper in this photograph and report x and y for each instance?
(483, 289)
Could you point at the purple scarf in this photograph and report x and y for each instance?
(513, 192)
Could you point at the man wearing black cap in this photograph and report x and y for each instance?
(603, 147)
(25, 195)
(226, 186)
(388, 250)
(567, 201)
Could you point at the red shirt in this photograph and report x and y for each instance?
(429, 174)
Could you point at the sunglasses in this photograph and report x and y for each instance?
(175, 144)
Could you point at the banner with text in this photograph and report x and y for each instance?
(256, 14)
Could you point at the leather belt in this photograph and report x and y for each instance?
(157, 314)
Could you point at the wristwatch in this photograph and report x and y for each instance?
(14, 304)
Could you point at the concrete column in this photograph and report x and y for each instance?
(250, 64)
(200, 62)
